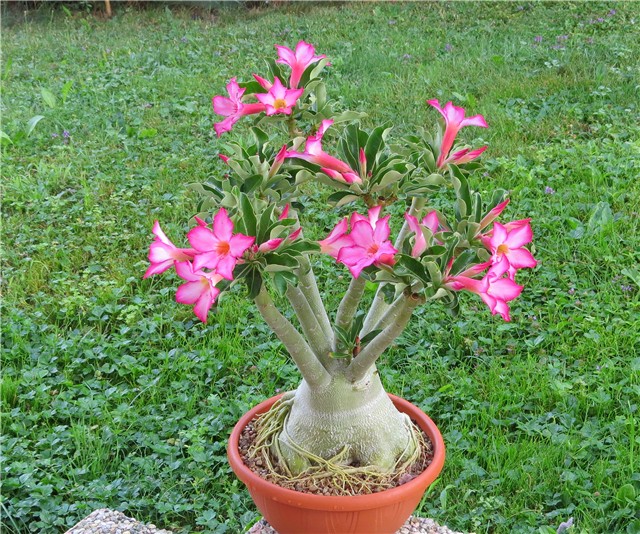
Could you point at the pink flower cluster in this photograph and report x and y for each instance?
(368, 244)
(277, 99)
(216, 249)
(506, 244)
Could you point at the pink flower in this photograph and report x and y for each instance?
(493, 214)
(279, 99)
(298, 60)
(266, 84)
(232, 107)
(336, 240)
(464, 156)
(163, 253)
(332, 167)
(492, 289)
(431, 222)
(200, 289)
(218, 249)
(506, 246)
(277, 163)
(371, 245)
(454, 120)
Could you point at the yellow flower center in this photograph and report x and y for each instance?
(279, 103)
(503, 249)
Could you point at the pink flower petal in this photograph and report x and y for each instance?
(519, 236)
(190, 292)
(521, 258)
(239, 243)
(222, 225)
(225, 266)
(202, 307)
(202, 239)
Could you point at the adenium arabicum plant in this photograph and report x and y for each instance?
(255, 236)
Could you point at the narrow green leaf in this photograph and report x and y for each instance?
(33, 121)
(248, 215)
(48, 97)
(5, 136)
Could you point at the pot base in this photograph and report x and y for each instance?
(414, 525)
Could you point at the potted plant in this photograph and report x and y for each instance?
(339, 433)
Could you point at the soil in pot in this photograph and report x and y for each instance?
(352, 480)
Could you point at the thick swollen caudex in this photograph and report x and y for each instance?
(358, 420)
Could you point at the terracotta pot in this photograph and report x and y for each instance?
(292, 512)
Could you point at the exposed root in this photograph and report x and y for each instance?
(333, 476)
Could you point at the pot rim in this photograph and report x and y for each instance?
(356, 502)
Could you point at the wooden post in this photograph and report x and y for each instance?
(107, 5)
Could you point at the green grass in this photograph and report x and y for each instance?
(112, 395)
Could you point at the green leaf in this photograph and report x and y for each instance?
(48, 97)
(626, 493)
(369, 337)
(33, 121)
(248, 215)
(434, 272)
(343, 335)
(389, 178)
(147, 133)
(282, 279)
(336, 197)
(251, 87)
(251, 183)
(347, 116)
(264, 226)
(375, 143)
(414, 267)
(5, 137)
(280, 262)
(66, 89)
(600, 218)
(254, 283)
(461, 262)
(633, 275)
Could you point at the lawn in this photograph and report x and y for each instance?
(112, 395)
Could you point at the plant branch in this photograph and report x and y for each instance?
(310, 326)
(309, 287)
(389, 314)
(379, 306)
(396, 325)
(309, 365)
(349, 303)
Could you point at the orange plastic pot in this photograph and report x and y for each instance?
(292, 512)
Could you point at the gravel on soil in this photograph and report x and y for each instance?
(105, 521)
